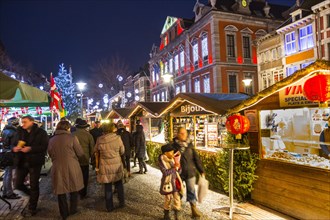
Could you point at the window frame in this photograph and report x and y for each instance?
(292, 42)
(236, 81)
(207, 76)
(308, 37)
(197, 79)
(205, 48)
(195, 54)
(245, 36)
(233, 46)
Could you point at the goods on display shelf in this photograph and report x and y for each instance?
(293, 135)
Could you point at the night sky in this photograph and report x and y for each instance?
(44, 33)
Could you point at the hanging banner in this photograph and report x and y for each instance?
(293, 96)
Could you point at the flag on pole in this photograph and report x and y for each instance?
(56, 98)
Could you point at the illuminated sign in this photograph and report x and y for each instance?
(190, 109)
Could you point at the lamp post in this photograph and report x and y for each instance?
(168, 78)
(81, 87)
(247, 83)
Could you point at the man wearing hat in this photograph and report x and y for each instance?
(87, 143)
(127, 139)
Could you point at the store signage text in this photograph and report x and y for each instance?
(189, 109)
(294, 96)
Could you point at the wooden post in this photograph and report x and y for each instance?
(150, 135)
(171, 129)
(195, 133)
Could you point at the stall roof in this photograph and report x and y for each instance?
(319, 65)
(14, 93)
(154, 108)
(119, 112)
(214, 103)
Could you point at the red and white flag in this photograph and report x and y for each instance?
(56, 98)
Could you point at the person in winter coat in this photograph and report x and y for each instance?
(189, 162)
(29, 160)
(65, 151)
(140, 148)
(171, 184)
(96, 131)
(10, 140)
(87, 143)
(108, 150)
(127, 140)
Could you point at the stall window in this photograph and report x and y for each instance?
(232, 83)
(197, 86)
(206, 82)
(183, 87)
(306, 37)
(290, 43)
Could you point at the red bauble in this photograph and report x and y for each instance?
(317, 88)
(237, 124)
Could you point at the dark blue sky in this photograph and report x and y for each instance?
(45, 33)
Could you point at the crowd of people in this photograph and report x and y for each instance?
(107, 148)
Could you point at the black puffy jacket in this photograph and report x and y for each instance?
(37, 139)
(190, 161)
(9, 137)
(127, 139)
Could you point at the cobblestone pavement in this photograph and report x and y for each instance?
(143, 201)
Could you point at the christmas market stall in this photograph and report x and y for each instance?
(202, 114)
(118, 114)
(147, 114)
(290, 130)
(17, 99)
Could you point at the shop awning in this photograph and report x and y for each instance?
(14, 93)
(119, 113)
(217, 104)
(153, 108)
(318, 66)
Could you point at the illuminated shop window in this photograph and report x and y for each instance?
(290, 43)
(306, 37)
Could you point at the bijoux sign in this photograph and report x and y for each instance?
(189, 109)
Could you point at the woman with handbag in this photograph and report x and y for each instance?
(65, 151)
(171, 184)
(109, 149)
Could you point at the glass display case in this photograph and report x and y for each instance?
(293, 135)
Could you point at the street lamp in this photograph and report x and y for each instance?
(81, 87)
(168, 79)
(247, 83)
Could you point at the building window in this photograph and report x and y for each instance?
(328, 21)
(154, 98)
(290, 43)
(278, 75)
(246, 47)
(166, 67)
(291, 70)
(158, 97)
(206, 82)
(195, 52)
(248, 89)
(274, 54)
(279, 52)
(266, 80)
(303, 65)
(182, 58)
(183, 87)
(205, 50)
(177, 89)
(171, 65)
(232, 80)
(197, 85)
(163, 96)
(176, 62)
(230, 45)
(306, 37)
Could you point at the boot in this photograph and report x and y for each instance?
(194, 211)
(178, 215)
(167, 215)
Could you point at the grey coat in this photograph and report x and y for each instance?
(65, 150)
(110, 148)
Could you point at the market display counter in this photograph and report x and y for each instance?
(299, 191)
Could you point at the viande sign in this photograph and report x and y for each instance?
(293, 95)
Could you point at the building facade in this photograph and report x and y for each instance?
(214, 52)
(302, 39)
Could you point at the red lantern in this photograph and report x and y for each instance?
(317, 89)
(238, 125)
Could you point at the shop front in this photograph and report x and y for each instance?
(294, 166)
(119, 114)
(147, 115)
(202, 116)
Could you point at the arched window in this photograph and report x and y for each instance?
(182, 61)
(205, 49)
(194, 44)
(260, 33)
(231, 42)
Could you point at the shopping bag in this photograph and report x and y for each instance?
(203, 187)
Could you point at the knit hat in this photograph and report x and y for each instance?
(167, 148)
(81, 124)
